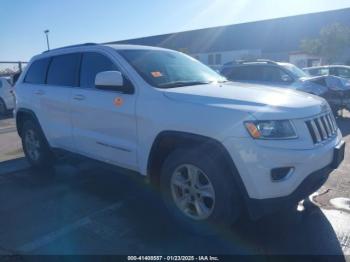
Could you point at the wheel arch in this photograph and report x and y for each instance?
(167, 141)
(23, 114)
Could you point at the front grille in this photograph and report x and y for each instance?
(322, 128)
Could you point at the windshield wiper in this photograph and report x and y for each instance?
(183, 83)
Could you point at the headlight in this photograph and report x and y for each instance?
(274, 129)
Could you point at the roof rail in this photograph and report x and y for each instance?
(267, 61)
(69, 46)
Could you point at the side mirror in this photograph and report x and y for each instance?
(114, 81)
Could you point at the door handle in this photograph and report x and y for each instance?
(79, 97)
(39, 92)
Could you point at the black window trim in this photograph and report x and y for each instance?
(47, 69)
(116, 65)
(77, 77)
(49, 58)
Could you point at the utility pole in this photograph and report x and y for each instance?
(47, 38)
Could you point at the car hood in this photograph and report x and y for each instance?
(259, 100)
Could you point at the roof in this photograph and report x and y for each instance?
(274, 35)
(132, 47)
(92, 46)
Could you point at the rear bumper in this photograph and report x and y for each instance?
(260, 207)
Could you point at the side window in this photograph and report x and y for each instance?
(320, 81)
(272, 74)
(0, 83)
(343, 72)
(313, 72)
(91, 65)
(36, 73)
(63, 70)
(323, 72)
(241, 73)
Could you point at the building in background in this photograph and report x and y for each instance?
(275, 39)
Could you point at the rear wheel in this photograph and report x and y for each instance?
(199, 191)
(35, 146)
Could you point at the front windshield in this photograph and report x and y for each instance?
(167, 69)
(295, 70)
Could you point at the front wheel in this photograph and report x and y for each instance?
(199, 191)
(35, 146)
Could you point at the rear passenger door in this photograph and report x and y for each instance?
(62, 76)
(104, 122)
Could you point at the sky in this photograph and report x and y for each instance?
(79, 21)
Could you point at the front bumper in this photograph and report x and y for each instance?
(254, 163)
(261, 207)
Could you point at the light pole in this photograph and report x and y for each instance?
(47, 38)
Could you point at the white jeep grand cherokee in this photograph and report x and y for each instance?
(212, 147)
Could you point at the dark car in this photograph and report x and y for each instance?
(334, 89)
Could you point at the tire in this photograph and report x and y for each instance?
(220, 212)
(3, 109)
(35, 146)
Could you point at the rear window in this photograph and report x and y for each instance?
(36, 73)
(63, 70)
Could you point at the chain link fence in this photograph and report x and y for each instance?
(12, 69)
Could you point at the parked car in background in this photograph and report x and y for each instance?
(7, 98)
(334, 89)
(334, 70)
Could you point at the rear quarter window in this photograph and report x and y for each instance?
(36, 73)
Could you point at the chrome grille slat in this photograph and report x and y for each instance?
(322, 128)
(334, 123)
(323, 131)
(328, 129)
(330, 124)
(315, 129)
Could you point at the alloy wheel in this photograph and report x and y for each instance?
(192, 192)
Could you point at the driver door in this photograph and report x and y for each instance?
(104, 122)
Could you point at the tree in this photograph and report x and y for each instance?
(332, 42)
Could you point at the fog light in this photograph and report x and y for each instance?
(281, 173)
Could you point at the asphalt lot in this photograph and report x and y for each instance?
(82, 207)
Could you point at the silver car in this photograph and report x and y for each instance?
(334, 89)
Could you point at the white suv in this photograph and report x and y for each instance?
(212, 147)
(7, 99)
